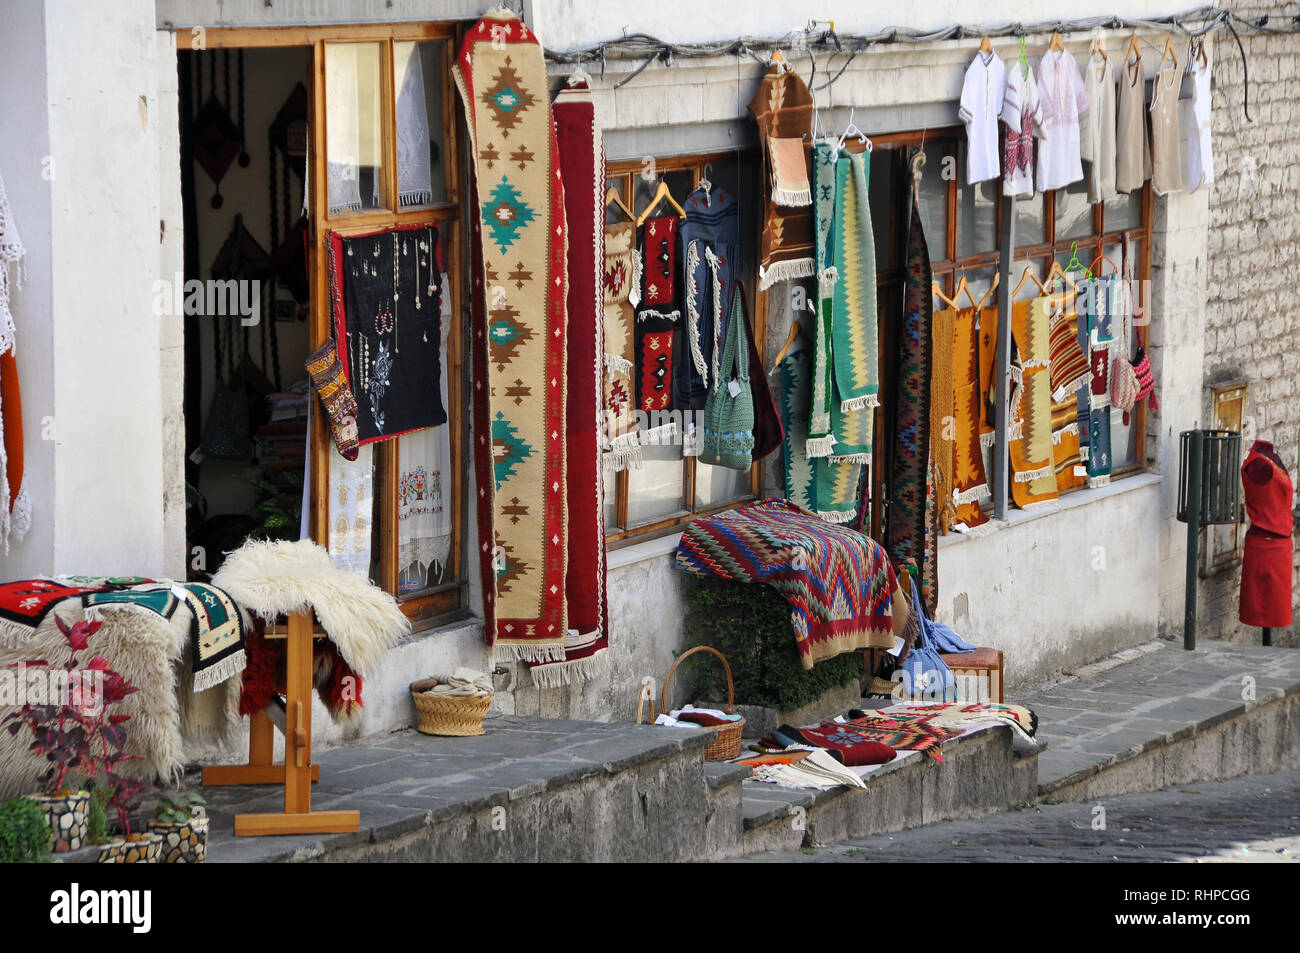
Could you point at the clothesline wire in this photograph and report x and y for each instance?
(1193, 24)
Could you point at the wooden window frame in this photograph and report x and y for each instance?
(448, 601)
(622, 534)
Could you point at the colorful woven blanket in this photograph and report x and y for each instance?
(848, 745)
(622, 442)
(216, 635)
(839, 583)
(783, 109)
(820, 438)
(1031, 455)
(955, 715)
(903, 733)
(520, 292)
(970, 481)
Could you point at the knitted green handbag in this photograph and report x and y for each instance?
(729, 409)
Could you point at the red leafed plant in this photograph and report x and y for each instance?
(76, 736)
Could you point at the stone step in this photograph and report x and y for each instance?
(1159, 716)
(981, 773)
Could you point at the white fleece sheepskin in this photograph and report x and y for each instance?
(278, 578)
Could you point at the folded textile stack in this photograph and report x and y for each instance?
(959, 717)
(692, 717)
(463, 682)
(849, 746)
(815, 769)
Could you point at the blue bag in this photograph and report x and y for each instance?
(926, 677)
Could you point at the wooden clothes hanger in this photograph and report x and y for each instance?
(1098, 48)
(986, 46)
(950, 302)
(962, 286)
(1168, 54)
(785, 348)
(613, 198)
(662, 194)
(1134, 55)
(1025, 276)
(992, 288)
(1055, 43)
(1056, 271)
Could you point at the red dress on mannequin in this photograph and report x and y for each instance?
(1266, 565)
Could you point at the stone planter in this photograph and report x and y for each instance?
(185, 843)
(132, 849)
(66, 817)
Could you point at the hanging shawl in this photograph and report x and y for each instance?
(15, 506)
(1031, 455)
(909, 537)
(828, 489)
(385, 296)
(855, 350)
(783, 109)
(414, 167)
(622, 443)
(970, 481)
(711, 250)
(820, 439)
(519, 236)
(657, 342)
(582, 167)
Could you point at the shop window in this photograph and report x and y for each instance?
(362, 119)
(670, 487)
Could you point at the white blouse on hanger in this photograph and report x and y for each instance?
(1198, 157)
(1022, 111)
(1064, 100)
(981, 102)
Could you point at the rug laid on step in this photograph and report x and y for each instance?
(839, 583)
(847, 745)
(520, 287)
(957, 715)
(909, 534)
(582, 167)
(274, 579)
(903, 734)
(783, 109)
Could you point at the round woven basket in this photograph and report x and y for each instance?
(459, 715)
(726, 742)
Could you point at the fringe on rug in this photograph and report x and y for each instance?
(1065, 390)
(782, 196)
(14, 635)
(634, 293)
(826, 279)
(785, 271)
(851, 458)
(865, 402)
(528, 653)
(560, 674)
(819, 446)
(1071, 430)
(658, 436)
(615, 364)
(837, 516)
(623, 451)
(1098, 481)
(693, 311)
(981, 492)
(1029, 476)
(651, 313)
(214, 675)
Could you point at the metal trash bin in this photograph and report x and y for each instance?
(1209, 491)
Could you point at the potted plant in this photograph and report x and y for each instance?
(24, 838)
(183, 824)
(78, 735)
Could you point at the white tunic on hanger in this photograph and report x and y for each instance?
(981, 102)
(1022, 111)
(1064, 101)
(1198, 157)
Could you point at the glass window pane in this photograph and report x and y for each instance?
(977, 223)
(881, 197)
(421, 168)
(654, 491)
(1030, 227)
(932, 197)
(353, 145)
(1123, 211)
(715, 485)
(1073, 212)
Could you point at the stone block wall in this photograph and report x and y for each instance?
(1252, 326)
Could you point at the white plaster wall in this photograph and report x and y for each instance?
(105, 214)
(573, 24)
(24, 146)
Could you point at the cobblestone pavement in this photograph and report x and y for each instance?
(1255, 818)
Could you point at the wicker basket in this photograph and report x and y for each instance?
(459, 715)
(726, 744)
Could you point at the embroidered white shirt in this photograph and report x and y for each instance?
(982, 93)
(1020, 102)
(1064, 100)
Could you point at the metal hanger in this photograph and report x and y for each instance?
(706, 183)
(852, 130)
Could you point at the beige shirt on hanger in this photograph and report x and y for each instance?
(1132, 160)
(1097, 129)
(1166, 134)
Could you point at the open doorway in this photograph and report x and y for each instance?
(244, 151)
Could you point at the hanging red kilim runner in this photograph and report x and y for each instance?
(582, 166)
(520, 288)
